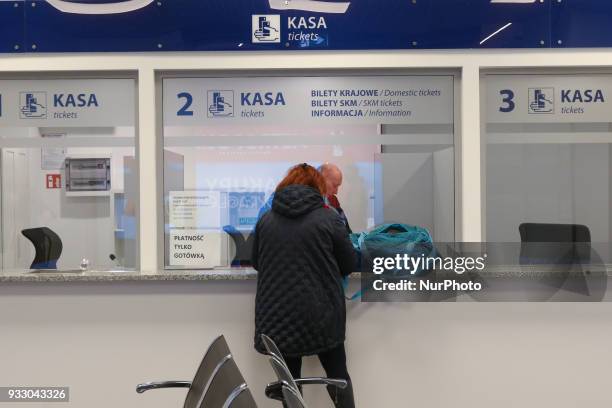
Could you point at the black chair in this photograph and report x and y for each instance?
(48, 246)
(217, 379)
(243, 243)
(554, 243)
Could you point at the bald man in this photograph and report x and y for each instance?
(333, 180)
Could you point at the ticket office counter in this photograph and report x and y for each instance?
(69, 159)
(546, 156)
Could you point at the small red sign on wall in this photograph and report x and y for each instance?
(54, 181)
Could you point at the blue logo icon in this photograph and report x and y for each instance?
(541, 100)
(32, 105)
(220, 104)
(266, 28)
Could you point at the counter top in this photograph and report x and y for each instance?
(127, 275)
(510, 271)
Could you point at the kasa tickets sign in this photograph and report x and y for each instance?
(78, 102)
(295, 30)
(548, 98)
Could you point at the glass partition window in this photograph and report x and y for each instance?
(229, 141)
(68, 173)
(549, 159)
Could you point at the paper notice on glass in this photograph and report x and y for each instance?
(196, 209)
(52, 158)
(201, 248)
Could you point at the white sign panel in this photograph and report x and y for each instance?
(52, 158)
(308, 100)
(548, 98)
(67, 103)
(195, 209)
(196, 247)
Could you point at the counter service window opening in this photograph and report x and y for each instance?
(548, 160)
(229, 141)
(68, 173)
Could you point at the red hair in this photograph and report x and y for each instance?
(306, 175)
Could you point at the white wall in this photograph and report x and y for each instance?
(109, 337)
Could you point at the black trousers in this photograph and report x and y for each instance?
(334, 364)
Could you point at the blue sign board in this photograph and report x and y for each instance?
(581, 23)
(12, 26)
(222, 25)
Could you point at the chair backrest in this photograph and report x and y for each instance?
(293, 399)
(243, 243)
(215, 354)
(282, 372)
(272, 348)
(539, 232)
(225, 383)
(48, 247)
(555, 243)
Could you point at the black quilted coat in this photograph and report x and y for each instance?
(301, 252)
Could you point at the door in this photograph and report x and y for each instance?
(15, 209)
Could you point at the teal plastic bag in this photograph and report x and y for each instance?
(387, 241)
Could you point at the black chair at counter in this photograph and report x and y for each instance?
(243, 243)
(48, 246)
(555, 244)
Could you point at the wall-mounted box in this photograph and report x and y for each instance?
(88, 176)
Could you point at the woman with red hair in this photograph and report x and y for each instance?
(301, 251)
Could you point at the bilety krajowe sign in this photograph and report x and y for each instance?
(359, 100)
(67, 103)
(211, 25)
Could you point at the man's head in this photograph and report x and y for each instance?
(333, 177)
